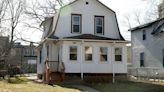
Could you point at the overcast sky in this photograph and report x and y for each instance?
(121, 7)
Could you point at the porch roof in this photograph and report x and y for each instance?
(91, 37)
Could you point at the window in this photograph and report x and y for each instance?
(76, 23)
(144, 35)
(103, 54)
(99, 25)
(163, 57)
(47, 51)
(118, 54)
(88, 53)
(40, 56)
(73, 53)
(142, 59)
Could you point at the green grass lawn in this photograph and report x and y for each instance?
(128, 87)
(32, 87)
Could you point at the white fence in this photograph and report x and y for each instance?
(147, 72)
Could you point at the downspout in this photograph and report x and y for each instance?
(113, 79)
(81, 59)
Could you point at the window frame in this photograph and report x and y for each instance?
(95, 25)
(80, 25)
(75, 53)
(103, 54)
(119, 55)
(88, 54)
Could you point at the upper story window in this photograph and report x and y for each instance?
(103, 54)
(76, 23)
(118, 54)
(73, 52)
(47, 51)
(99, 25)
(144, 35)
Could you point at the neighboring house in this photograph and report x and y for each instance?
(148, 45)
(25, 56)
(85, 36)
(4, 43)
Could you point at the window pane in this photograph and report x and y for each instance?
(118, 51)
(73, 53)
(118, 58)
(99, 21)
(99, 29)
(103, 57)
(88, 53)
(73, 49)
(76, 28)
(88, 57)
(76, 20)
(103, 50)
(73, 56)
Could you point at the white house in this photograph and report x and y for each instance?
(85, 36)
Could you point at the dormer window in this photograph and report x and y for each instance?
(76, 23)
(99, 25)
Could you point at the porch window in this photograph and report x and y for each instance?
(118, 54)
(76, 23)
(99, 25)
(73, 52)
(142, 59)
(103, 54)
(88, 53)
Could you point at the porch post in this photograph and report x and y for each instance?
(81, 59)
(113, 59)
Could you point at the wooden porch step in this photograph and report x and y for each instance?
(56, 77)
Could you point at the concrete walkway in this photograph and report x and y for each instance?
(85, 88)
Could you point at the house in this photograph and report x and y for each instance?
(4, 43)
(83, 37)
(148, 45)
(25, 56)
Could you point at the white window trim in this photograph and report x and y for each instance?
(80, 23)
(102, 17)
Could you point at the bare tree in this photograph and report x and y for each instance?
(3, 7)
(38, 11)
(10, 14)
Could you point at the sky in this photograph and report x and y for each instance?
(121, 7)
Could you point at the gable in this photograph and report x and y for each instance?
(61, 22)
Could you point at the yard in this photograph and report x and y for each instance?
(23, 85)
(32, 87)
(128, 87)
